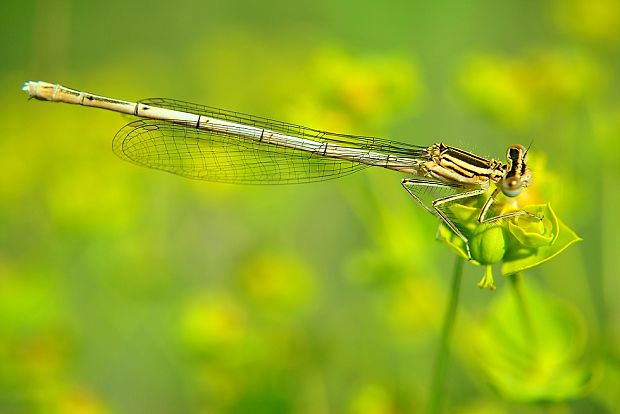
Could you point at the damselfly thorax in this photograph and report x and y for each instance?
(206, 143)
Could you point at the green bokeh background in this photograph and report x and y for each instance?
(128, 290)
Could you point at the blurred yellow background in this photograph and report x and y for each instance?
(129, 290)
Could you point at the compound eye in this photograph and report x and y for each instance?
(511, 187)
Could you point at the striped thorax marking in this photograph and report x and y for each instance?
(450, 164)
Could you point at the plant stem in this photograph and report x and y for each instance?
(526, 320)
(441, 363)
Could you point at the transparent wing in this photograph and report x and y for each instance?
(393, 148)
(222, 156)
(229, 156)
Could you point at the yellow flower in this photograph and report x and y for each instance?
(519, 91)
(519, 243)
(597, 20)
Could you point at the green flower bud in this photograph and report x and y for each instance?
(488, 244)
(520, 242)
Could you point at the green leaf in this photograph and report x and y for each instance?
(447, 236)
(466, 216)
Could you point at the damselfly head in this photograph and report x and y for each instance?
(517, 175)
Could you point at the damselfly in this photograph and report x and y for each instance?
(206, 143)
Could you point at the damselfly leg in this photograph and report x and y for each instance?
(410, 184)
(485, 208)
